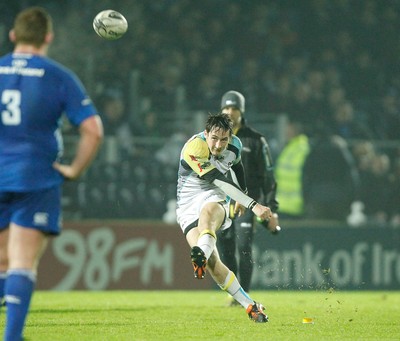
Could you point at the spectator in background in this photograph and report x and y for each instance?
(330, 178)
(386, 121)
(301, 102)
(317, 82)
(279, 92)
(346, 124)
(117, 126)
(207, 92)
(335, 97)
(289, 170)
(375, 190)
(150, 125)
(363, 152)
(165, 87)
(250, 83)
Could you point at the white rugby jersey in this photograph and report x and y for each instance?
(196, 161)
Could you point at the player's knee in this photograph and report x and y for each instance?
(213, 212)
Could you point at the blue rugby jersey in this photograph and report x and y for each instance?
(35, 92)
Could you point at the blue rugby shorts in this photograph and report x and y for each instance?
(40, 210)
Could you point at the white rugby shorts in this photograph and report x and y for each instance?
(189, 212)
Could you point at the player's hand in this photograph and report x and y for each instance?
(273, 224)
(262, 212)
(66, 171)
(239, 209)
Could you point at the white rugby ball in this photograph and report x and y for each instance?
(110, 24)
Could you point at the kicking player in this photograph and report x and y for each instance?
(203, 194)
(34, 94)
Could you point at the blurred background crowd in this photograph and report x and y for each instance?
(327, 71)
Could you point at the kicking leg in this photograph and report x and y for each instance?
(203, 238)
(228, 282)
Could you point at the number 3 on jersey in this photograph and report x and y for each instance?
(12, 100)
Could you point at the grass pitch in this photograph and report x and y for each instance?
(204, 315)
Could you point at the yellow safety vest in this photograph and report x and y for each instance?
(288, 174)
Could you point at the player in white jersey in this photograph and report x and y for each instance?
(35, 92)
(203, 195)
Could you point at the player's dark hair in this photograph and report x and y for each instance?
(219, 121)
(31, 26)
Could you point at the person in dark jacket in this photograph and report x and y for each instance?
(261, 184)
(330, 178)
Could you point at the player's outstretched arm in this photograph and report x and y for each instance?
(91, 136)
(232, 190)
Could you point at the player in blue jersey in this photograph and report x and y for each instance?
(35, 92)
(203, 195)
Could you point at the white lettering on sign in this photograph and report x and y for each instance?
(311, 267)
(88, 259)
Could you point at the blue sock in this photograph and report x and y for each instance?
(3, 276)
(18, 292)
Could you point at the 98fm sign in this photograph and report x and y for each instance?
(118, 256)
(155, 256)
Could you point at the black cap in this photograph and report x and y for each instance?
(233, 99)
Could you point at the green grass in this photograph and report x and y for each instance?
(204, 315)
